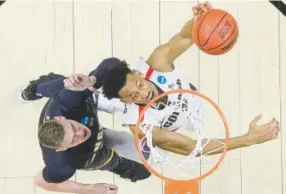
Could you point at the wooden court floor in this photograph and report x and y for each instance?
(37, 37)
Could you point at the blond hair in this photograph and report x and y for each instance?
(51, 134)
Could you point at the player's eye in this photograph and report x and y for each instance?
(135, 96)
(140, 85)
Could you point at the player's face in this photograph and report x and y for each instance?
(75, 133)
(137, 90)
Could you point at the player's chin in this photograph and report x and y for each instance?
(87, 134)
(143, 102)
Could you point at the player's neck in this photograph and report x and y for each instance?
(162, 102)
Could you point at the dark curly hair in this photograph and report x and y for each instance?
(115, 79)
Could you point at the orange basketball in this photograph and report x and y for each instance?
(215, 32)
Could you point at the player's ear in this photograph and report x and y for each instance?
(138, 73)
(58, 118)
(125, 101)
(60, 149)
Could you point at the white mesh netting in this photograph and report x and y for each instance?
(186, 112)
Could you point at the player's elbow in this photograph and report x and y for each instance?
(186, 151)
(140, 134)
(40, 182)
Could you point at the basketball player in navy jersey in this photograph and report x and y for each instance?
(71, 138)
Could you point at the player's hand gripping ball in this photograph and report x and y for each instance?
(215, 31)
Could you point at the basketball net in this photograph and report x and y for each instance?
(188, 109)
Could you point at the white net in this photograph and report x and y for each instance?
(181, 113)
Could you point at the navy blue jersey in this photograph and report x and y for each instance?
(77, 106)
(60, 166)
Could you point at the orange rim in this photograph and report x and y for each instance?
(150, 168)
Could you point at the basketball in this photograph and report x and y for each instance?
(215, 32)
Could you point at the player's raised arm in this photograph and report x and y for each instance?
(164, 55)
(180, 144)
(78, 87)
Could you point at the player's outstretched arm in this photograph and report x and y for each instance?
(256, 134)
(74, 187)
(164, 55)
(183, 145)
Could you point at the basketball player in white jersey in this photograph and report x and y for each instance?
(158, 74)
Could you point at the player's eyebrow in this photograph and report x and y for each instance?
(136, 83)
(73, 129)
(131, 94)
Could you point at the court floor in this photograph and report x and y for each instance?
(37, 37)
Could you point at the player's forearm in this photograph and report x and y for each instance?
(216, 146)
(175, 147)
(184, 37)
(173, 142)
(180, 42)
(67, 186)
(50, 88)
(73, 99)
(184, 145)
(186, 31)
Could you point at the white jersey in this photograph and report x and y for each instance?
(106, 105)
(165, 118)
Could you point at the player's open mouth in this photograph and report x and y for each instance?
(151, 95)
(85, 133)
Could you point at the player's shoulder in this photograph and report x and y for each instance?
(57, 168)
(131, 108)
(130, 114)
(52, 157)
(53, 109)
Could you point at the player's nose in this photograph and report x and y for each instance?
(80, 133)
(145, 94)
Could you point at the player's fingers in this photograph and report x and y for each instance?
(272, 131)
(270, 123)
(65, 83)
(208, 5)
(255, 120)
(77, 78)
(73, 79)
(111, 186)
(278, 125)
(203, 7)
(111, 189)
(195, 11)
(68, 83)
(112, 192)
(275, 136)
(276, 128)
